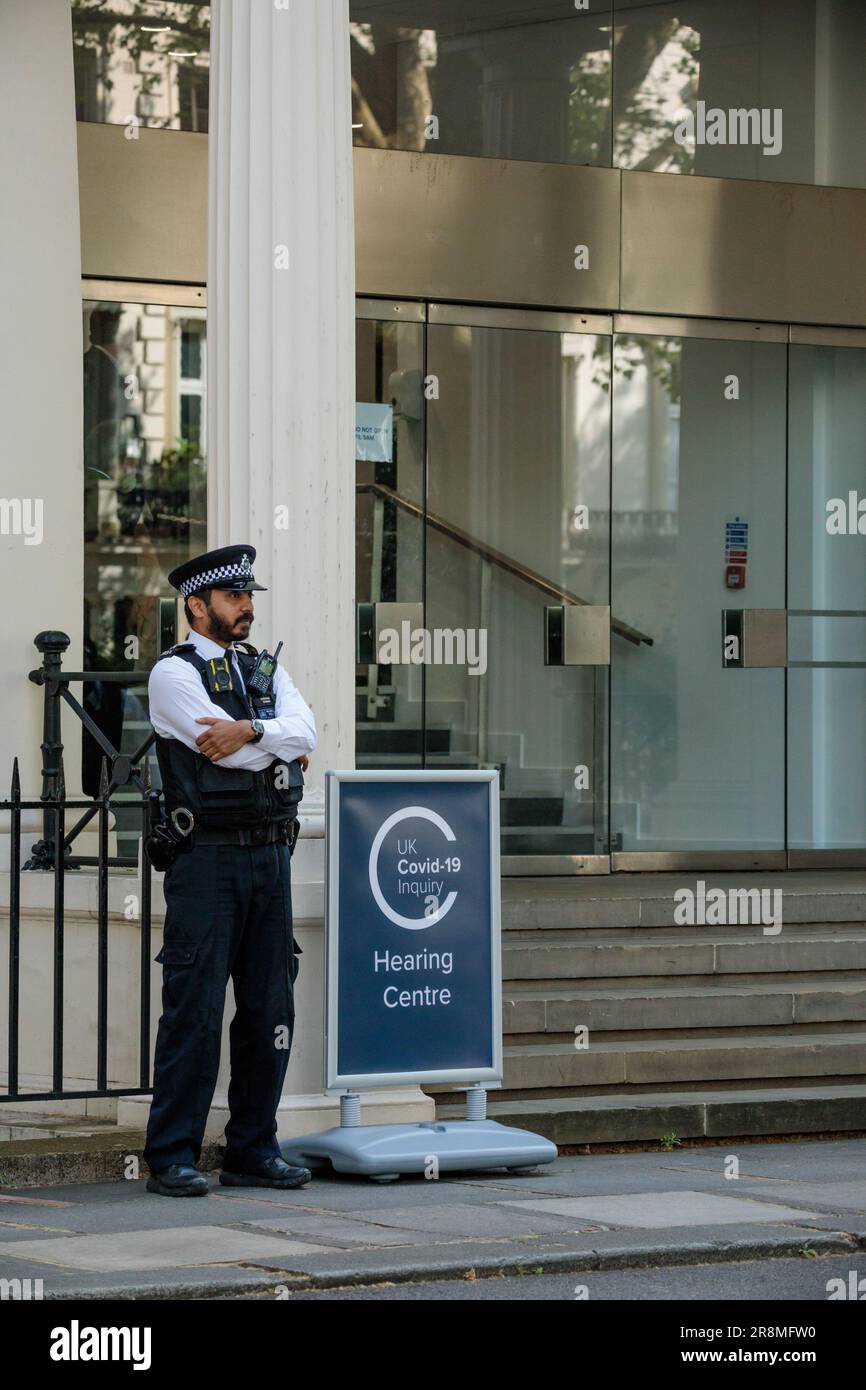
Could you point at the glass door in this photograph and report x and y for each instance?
(389, 531)
(827, 598)
(517, 572)
(697, 750)
(564, 522)
(144, 372)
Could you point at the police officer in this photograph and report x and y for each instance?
(232, 737)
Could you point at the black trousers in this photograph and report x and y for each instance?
(228, 914)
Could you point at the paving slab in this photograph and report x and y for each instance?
(661, 1210)
(341, 1232)
(462, 1221)
(160, 1249)
(135, 1209)
(824, 1196)
(328, 1192)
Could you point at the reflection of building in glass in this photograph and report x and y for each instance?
(145, 505)
(144, 464)
(610, 85)
(135, 59)
(483, 81)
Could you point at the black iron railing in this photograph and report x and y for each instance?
(52, 854)
(124, 768)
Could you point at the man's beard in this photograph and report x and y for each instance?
(221, 630)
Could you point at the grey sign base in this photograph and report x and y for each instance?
(386, 1151)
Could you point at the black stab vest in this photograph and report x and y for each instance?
(227, 798)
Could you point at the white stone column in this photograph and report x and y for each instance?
(281, 336)
(41, 480)
(281, 394)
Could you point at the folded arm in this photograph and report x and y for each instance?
(292, 733)
(179, 704)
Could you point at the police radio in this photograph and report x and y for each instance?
(263, 672)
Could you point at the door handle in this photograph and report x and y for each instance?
(577, 634)
(372, 619)
(754, 637)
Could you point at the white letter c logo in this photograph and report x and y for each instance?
(410, 923)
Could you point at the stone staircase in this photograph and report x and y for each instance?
(717, 1031)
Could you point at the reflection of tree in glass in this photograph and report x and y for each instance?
(647, 743)
(655, 66)
(660, 356)
(391, 103)
(105, 29)
(176, 482)
(648, 60)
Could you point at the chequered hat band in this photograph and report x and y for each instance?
(243, 570)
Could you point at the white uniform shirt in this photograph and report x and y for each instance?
(178, 698)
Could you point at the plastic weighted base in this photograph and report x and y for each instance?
(429, 1148)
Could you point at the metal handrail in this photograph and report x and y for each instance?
(123, 767)
(496, 557)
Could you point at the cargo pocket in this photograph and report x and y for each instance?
(180, 987)
(178, 953)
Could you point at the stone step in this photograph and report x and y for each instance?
(560, 1008)
(647, 900)
(661, 1061)
(579, 955)
(104, 1155)
(711, 1113)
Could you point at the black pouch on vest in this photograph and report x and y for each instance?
(286, 787)
(228, 792)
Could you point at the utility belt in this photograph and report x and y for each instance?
(276, 832)
(177, 834)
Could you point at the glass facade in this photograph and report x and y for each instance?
(484, 445)
(389, 532)
(145, 508)
(505, 80)
(138, 62)
(518, 501)
(826, 598)
(747, 89)
(697, 753)
(542, 467)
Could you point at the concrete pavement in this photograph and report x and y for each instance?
(584, 1214)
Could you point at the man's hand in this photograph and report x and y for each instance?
(223, 737)
(305, 762)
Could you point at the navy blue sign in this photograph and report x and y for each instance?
(413, 928)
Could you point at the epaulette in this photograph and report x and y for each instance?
(179, 647)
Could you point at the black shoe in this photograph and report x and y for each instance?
(274, 1172)
(178, 1181)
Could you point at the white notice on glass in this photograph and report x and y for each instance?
(374, 432)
